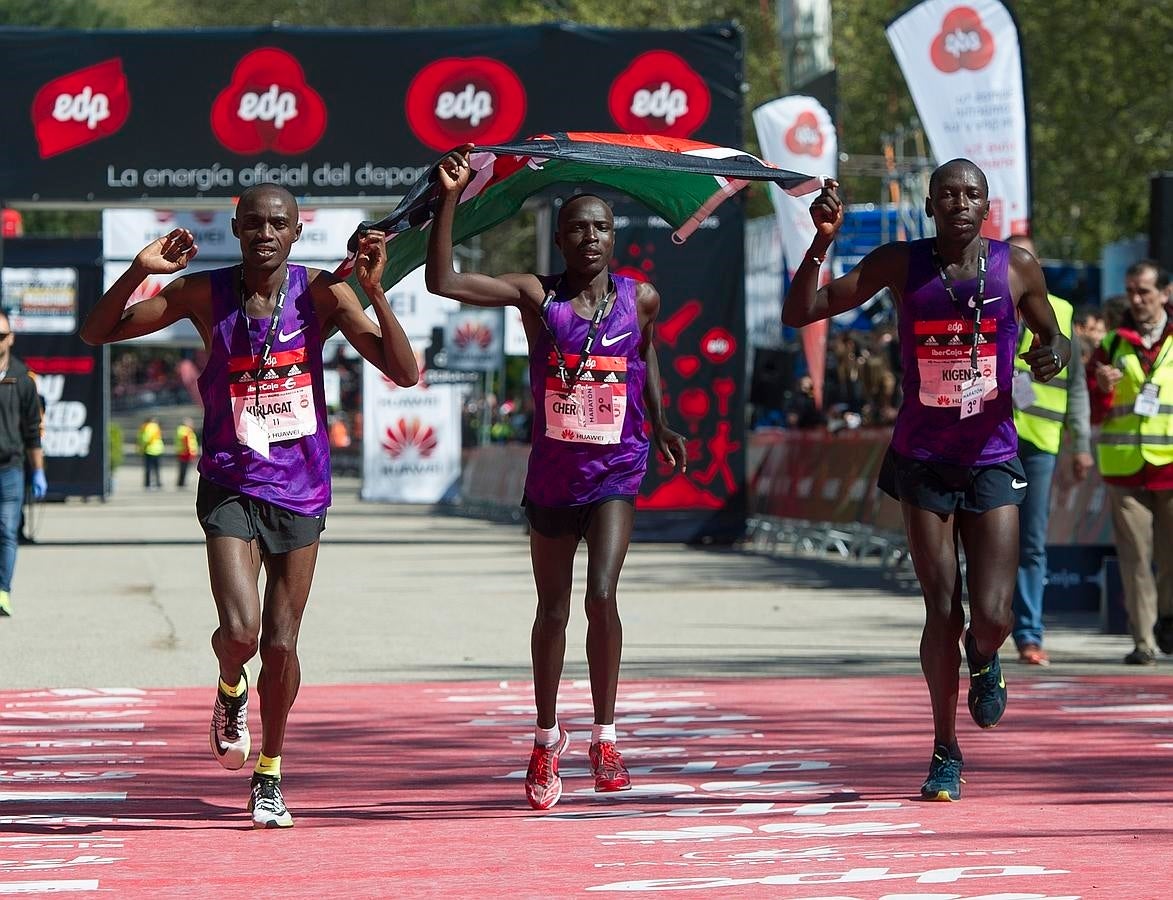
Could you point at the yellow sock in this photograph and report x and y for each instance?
(234, 691)
(268, 765)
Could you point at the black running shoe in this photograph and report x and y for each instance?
(987, 688)
(1163, 633)
(944, 781)
(266, 803)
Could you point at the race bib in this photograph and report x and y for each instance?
(943, 362)
(594, 410)
(1147, 401)
(280, 403)
(1023, 390)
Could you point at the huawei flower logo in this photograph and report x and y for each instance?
(407, 434)
(567, 434)
(470, 333)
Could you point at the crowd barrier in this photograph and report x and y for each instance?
(815, 491)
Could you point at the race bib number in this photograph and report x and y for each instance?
(1023, 390)
(280, 403)
(594, 410)
(972, 392)
(1147, 401)
(943, 362)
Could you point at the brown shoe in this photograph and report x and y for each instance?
(1033, 655)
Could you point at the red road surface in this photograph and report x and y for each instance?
(788, 788)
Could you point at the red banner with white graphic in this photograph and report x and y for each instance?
(963, 65)
(92, 119)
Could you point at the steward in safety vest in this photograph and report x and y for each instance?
(1042, 410)
(1135, 445)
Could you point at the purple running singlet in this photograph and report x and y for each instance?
(286, 393)
(936, 341)
(588, 441)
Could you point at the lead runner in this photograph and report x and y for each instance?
(595, 380)
(953, 463)
(265, 470)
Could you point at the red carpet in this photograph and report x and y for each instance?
(795, 789)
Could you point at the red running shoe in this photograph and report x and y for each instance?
(543, 787)
(608, 769)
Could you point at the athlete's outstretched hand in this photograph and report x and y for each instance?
(169, 254)
(672, 448)
(827, 210)
(455, 171)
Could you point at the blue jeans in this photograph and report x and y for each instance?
(11, 500)
(1033, 515)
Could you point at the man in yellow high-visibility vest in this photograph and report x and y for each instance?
(1041, 413)
(1132, 395)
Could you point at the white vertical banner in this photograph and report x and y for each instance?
(411, 440)
(963, 66)
(796, 133)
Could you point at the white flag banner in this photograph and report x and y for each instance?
(411, 440)
(963, 66)
(796, 133)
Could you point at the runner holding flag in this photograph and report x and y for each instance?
(595, 381)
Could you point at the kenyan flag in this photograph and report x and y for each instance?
(682, 181)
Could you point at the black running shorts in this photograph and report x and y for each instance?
(225, 513)
(946, 489)
(566, 521)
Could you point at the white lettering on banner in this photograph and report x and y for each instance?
(470, 105)
(86, 107)
(665, 102)
(274, 105)
(958, 42)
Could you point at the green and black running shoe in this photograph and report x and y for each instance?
(944, 781)
(987, 688)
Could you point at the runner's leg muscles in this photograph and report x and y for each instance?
(990, 540)
(932, 542)
(233, 568)
(553, 565)
(287, 589)
(608, 537)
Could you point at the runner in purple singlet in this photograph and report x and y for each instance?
(595, 381)
(953, 461)
(265, 469)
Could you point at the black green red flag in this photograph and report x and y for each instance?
(682, 181)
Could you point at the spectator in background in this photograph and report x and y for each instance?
(1131, 385)
(801, 409)
(1041, 411)
(1115, 309)
(187, 448)
(20, 440)
(1089, 329)
(150, 445)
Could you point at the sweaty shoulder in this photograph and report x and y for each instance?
(1025, 272)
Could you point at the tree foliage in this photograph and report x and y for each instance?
(1097, 85)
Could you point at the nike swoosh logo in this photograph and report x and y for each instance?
(282, 336)
(1018, 485)
(607, 341)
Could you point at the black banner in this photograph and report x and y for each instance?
(700, 342)
(95, 116)
(50, 285)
